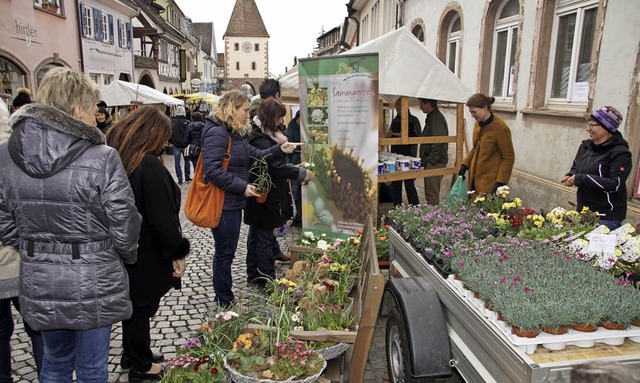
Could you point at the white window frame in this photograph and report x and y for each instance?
(375, 19)
(389, 18)
(365, 29)
(122, 34)
(566, 8)
(88, 17)
(507, 24)
(105, 27)
(454, 38)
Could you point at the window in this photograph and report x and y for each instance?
(364, 34)
(49, 5)
(453, 44)
(237, 65)
(106, 79)
(389, 17)
(253, 65)
(374, 20)
(418, 32)
(571, 48)
(236, 46)
(11, 78)
(87, 21)
(94, 77)
(504, 50)
(256, 47)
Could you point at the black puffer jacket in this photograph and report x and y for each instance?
(66, 202)
(179, 125)
(600, 175)
(193, 133)
(278, 208)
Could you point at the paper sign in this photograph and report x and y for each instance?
(580, 92)
(602, 244)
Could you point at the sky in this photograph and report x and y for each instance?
(293, 25)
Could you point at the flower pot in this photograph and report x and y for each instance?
(383, 263)
(50, 8)
(500, 317)
(613, 325)
(584, 327)
(556, 331)
(517, 331)
(636, 322)
(262, 197)
(238, 377)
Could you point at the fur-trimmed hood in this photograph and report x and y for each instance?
(45, 140)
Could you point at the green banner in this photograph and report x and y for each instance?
(339, 120)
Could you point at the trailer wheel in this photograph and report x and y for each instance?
(398, 361)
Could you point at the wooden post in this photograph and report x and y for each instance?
(460, 134)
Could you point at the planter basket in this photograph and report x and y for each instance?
(334, 351)
(240, 378)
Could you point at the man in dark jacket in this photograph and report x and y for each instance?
(407, 150)
(179, 124)
(601, 168)
(293, 135)
(433, 156)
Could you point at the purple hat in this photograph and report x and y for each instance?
(608, 117)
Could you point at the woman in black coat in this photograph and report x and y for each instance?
(262, 218)
(139, 139)
(193, 134)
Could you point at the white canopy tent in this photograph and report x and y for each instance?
(406, 68)
(121, 93)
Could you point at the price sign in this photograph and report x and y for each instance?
(602, 244)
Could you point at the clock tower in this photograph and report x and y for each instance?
(246, 48)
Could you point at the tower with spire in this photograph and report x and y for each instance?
(246, 48)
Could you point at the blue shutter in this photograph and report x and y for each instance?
(129, 36)
(83, 21)
(111, 29)
(97, 21)
(119, 34)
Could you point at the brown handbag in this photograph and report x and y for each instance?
(203, 206)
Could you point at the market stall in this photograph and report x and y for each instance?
(123, 93)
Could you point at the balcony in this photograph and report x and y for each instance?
(145, 62)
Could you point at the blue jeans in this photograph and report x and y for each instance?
(177, 155)
(612, 225)
(225, 238)
(261, 255)
(86, 351)
(6, 330)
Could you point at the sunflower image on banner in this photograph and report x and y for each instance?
(339, 119)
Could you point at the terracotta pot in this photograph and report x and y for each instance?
(50, 8)
(613, 325)
(524, 333)
(476, 295)
(556, 331)
(500, 317)
(636, 322)
(383, 263)
(584, 327)
(262, 198)
(457, 277)
(489, 306)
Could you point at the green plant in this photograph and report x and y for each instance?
(293, 359)
(188, 369)
(249, 352)
(259, 175)
(52, 3)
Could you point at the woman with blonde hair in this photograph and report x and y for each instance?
(228, 127)
(139, 138)
(66, 203)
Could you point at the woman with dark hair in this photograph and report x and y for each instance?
(22, 98)
(103, 119)
(193, 134)
(262, 218)
(139, 139)
(228, 128)
(491, 158)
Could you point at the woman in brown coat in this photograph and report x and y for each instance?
(491, 159)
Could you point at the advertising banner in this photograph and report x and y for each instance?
(339, 120)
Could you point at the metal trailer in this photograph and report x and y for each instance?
(431, 331)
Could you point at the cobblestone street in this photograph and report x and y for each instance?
(182, 311)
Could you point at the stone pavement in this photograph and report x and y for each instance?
(182, 311)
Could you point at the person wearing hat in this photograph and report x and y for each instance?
(601, 168)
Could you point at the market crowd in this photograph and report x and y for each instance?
(89, 215)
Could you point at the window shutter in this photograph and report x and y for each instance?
(111, 29)
(83, 21)
(129, 36)
(97, 21)
(119, 34)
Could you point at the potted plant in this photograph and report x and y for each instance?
(260, 178)
(50, 5)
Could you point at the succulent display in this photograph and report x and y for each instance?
(351, 182)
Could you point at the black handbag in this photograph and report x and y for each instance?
(192, 151)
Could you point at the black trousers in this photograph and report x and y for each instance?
(136, 339)
(410, 187)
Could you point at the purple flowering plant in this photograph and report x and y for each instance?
(292, 359)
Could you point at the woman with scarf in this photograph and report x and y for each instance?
(263, 218)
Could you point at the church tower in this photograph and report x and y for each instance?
(246, 48)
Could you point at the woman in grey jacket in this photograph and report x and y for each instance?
(66, 203)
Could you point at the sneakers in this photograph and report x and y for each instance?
(283, 258)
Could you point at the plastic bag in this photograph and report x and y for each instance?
(458, 192)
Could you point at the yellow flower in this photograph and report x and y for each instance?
(585, 209)
(295, 318)
(298, 328)
(518, 201)
(494, 216)
(617, 252)
(478, 199)
(343, 267)
(538, 223)
(529, 216)
(334, 267)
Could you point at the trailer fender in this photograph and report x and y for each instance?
(427, 336)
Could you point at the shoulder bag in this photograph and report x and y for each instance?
(203, 206)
